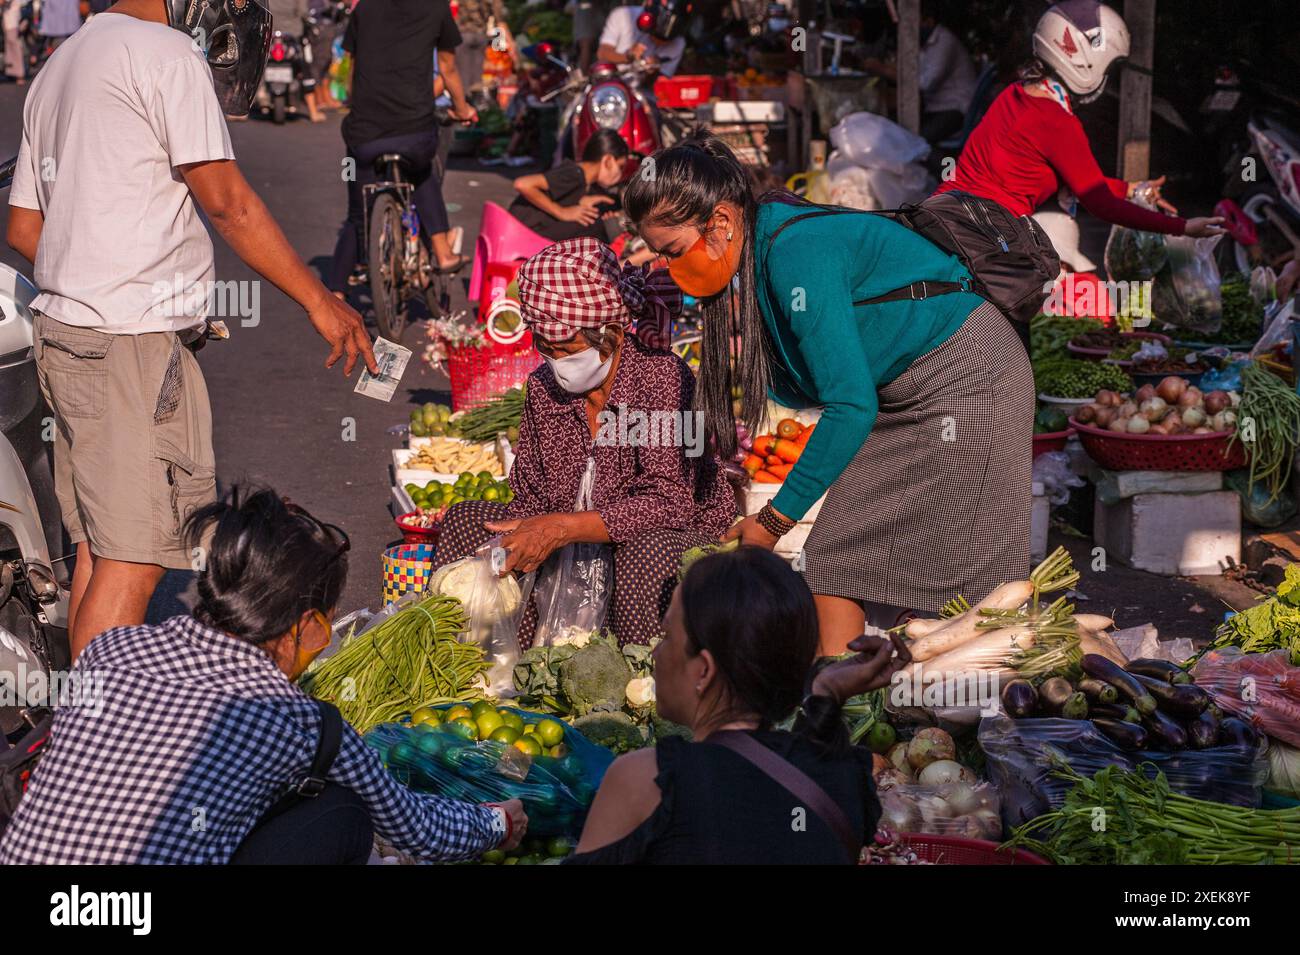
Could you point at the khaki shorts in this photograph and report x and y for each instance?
(133, 445)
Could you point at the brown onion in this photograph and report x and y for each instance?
(1128, 409)
(1171, 388)
(1202, 430)
(1118, 424)
(1086, 413)
(1159, 428)
(1145, 393)
(1104, 416)
(1191, 397)
(1108, 399)
(1216, 401)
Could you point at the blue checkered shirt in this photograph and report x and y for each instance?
(183, 738)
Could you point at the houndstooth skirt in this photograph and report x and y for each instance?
(937, 502)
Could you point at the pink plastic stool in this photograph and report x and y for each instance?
(501, 239)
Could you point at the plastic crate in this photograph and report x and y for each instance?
(480, 374)
(950, 850)
(1160, 452)
(683, 92)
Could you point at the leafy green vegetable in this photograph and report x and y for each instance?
(1243, 317)
(1049, 334)
(1272, 624)
(613, 730)
(692, 554)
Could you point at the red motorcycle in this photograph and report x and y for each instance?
(610, 98)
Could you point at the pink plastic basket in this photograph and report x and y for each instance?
(1160, 452)
(951, 850)
(1051, 441)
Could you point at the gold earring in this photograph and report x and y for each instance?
(728, 236)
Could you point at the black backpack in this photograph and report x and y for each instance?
(1010, 258)
(18, 759)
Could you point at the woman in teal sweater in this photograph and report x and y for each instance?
(923, 447)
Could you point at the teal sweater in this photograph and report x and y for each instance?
(832, 353)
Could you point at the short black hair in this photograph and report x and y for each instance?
(605, 142)
(267, 563)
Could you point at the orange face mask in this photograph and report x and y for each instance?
(701, 276)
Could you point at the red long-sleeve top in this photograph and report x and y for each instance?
(1027, 146)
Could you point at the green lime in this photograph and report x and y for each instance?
(511, 860)
(401, 754)
(423, 728)
(488, 723)
(880, 737)
(481, 707)
(559, 751)
(430, 742)
(486, 475)
(491, 494)
(465, 476)
(431, 486)
(505, 734)
(459, 711)
(412, 488)
(425, 714)
(494, 857)
(536, 741)
(471, 728)
(510, 718)
(550, 732)
(529, 745)
(558, 847)
(530, 728)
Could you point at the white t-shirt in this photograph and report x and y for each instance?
(110, 116)
(621, 33)
(947, 74)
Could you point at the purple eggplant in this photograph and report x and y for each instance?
(1183, 701)
(1098, 691)
(1126, 735)
(1098, 667)
(1114, 711)
(1164, 732)
(1203, 730)
(1237, 732)
(1019, 699)
(1159, 670)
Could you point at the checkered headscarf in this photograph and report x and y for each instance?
(578, 284)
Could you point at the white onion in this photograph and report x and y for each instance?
(945, 771)
(1193, 417)
(1153, 408)
(1138, 425)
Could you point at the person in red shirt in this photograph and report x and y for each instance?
(1030, 143)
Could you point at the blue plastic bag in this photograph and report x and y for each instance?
(556, 790)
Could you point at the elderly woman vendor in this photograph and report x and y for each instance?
(586, 432)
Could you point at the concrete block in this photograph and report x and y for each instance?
(1116, 485)
(1171, 534)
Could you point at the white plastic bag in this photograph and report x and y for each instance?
(872, 141)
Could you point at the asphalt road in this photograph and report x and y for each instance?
(280, 418)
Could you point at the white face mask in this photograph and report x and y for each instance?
(580, 372)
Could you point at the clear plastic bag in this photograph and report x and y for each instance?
(1134, 256)
(1053, 470)
(1186, 291)
(572, 593)
(969, 810)
(494, 604)
(556, 790)
(1021, 755)
(872, 141)
(1277, 329)
(1261, 688)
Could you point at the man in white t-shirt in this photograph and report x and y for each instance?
(124, 140)
(624, 41)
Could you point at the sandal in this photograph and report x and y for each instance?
(460, 263)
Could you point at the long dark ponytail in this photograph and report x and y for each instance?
(688, 181)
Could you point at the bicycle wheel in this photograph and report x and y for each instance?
(385, 248)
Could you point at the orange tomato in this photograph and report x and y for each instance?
(788, 451)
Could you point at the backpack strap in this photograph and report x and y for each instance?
(915, 292)
(327, 749)
(795, 781)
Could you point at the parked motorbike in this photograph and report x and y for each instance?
(1262, 207)
(288, 75)
(33, 598)
(611, 98)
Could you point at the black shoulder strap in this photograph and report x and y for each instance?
(916, 291)
(327, 749)
(794, 780)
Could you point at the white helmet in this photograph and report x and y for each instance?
(1079, 40)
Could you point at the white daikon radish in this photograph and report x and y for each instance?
(919, 627)
(989, 650)
(1093, 621)
(966, 627)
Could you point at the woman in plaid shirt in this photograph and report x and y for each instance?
(185, 734)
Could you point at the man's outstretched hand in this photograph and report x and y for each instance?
(340, 325)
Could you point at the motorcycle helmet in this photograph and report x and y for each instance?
(235, 36)
(664, 19)
(1079, 41)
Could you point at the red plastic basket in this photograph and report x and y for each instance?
(1160, 452)
(480, 374)
(414, 533)
(951, 850)
(683, 92)
(1051, 441)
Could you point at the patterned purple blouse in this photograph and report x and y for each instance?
(646, 479)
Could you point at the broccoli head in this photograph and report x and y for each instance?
(613, 730)
(595, 677)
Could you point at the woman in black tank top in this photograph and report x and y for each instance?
(740, 639)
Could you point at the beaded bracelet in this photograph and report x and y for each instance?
(774, 523)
